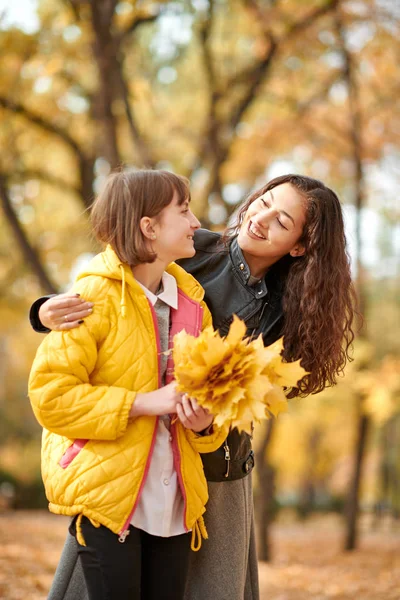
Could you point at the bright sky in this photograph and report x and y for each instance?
(21, 13)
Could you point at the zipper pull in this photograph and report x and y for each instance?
(123, 535)
(227, 458)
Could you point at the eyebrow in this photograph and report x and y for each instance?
(282, 211)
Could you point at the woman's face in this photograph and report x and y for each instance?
(272, 227)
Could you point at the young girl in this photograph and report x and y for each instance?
(112, 457)
(283, 268)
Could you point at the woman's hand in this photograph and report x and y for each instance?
(159, 402)
(65, 311)
(192, 416)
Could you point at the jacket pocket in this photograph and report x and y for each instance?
(71, 453)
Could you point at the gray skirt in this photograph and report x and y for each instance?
(225, 568)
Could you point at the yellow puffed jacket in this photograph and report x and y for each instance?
(82, 385)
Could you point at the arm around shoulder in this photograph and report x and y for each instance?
(63, 399)
(34, 314)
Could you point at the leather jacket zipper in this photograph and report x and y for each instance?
(259, 319)
(227, 458)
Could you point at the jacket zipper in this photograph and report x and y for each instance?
(177, 465)
(227, 458)
(259, 319)
(175, 446)
(125, 530)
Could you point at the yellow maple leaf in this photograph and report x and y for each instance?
(236, 379)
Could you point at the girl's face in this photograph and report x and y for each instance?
(173, 229)
(272, 227)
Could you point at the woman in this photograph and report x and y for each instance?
(283, 269)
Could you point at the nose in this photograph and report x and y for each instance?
(194, 222)
(265, 216)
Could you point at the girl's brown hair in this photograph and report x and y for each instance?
(127, 197)
(319, 298)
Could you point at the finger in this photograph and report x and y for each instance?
(197, 409)
(182, 416)
(65, 326)
(71, 302)
(187, 407)
(62, 299)
(75, 314)
(58, 310)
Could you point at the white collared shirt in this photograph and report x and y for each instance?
(169, 293)
(160, 509)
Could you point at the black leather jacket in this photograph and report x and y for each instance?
(224, 274)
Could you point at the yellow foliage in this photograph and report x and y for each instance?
(382, 390)
(237, 380)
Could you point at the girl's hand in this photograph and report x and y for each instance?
(65, 311)
(159, 402)
(192, 416)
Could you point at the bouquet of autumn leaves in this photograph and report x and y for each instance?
(237, 380)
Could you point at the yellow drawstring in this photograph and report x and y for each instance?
(123, 301)
(199, 531)
(78, 525)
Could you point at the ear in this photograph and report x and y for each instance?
(147, 228)
(297, 251)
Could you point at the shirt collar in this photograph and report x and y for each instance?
(169, 295)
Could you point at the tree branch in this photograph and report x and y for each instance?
(85, 163)
(355, 126)
(29, 253)
(36, 119)
(211, 144)
(141, 145)
(137, 22)
(47, 178)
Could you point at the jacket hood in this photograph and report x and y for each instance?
(108, 265)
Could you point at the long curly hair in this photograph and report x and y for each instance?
(319, 300)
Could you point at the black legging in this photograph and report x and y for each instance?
(144, 567)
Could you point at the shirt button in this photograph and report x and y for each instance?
(166, 482)
(170, 438)
(241, 266)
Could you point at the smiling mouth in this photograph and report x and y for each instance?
(255, 233)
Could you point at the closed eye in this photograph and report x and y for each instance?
(277, 218)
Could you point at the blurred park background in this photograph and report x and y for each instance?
(229, 93)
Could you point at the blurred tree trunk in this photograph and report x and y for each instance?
(355, 133)
(112, 84)
(265, 494)
(84, 161)
(388, 499)
(307, 492)
(104, 52)
(353, 499)
(29, 253)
